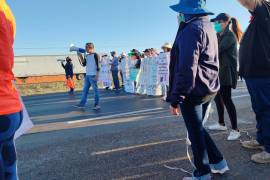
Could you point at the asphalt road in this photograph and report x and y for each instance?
(131, 137)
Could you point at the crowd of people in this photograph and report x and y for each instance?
(116, 71)
(203, 68)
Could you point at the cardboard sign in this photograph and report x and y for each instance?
(163, 68)
(105, 72)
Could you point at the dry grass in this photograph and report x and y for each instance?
(46, 88)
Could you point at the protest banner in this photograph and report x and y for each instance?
(152, 78)
(105, 72)
(163, 68)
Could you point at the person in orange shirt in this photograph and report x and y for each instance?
(10, 105)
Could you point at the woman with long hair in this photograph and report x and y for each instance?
(229, 35)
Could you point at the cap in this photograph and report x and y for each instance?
(222, 17)
(146, 50)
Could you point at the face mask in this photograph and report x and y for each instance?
(181, 18)
(218, 27)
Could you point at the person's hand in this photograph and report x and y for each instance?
(175, 111)
(97, 76)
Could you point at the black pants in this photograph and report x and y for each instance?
(224, 98)
(115, 79)
(122, 77)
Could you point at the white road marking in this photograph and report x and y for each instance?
(131, 113)
(63, 125)
(56, 101)
(240, 91)
(136, 147)
(128, 148)
(115, 115)
(241, 96)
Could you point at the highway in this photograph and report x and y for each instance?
(131, 137)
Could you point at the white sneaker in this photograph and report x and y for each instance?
(164, 98)
(252, 144)
(221, 172)
(188, 178)
(234, 135)
(97, 107)
(217, 127)
(261, 158)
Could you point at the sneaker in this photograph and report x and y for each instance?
(206, 177)
(261, 158)
(253, 144)
(234, 135)
(163, 98)
(221, 172)
(217, 127)
(97, 107)
(79, 106)
(188, 178)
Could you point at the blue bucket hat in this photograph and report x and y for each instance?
(191, 7)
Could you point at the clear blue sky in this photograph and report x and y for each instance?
(50, 26)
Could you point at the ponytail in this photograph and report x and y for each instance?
(236, 29)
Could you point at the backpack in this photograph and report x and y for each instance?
(96, 60)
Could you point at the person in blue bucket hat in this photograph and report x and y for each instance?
(194, 83)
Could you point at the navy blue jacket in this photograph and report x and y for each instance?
(194, 69)
(68, 69)
(114, 64)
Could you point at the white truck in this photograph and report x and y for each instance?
(49, 65)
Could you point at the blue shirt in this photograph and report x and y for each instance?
(114, 64)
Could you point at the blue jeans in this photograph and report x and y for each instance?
(205, 152)
(9, 124)
(88, 82)
(115, 79)
(259, 90)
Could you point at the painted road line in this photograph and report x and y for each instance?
(102, 116)
(241, 87)
(136, 147)
(64, 95)
(65, 100)
(77, 114)
(102, 120)
(239, 90)
(56, 101)
(128, 148)
(241, 96)
(115, 115)
(64, 126)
